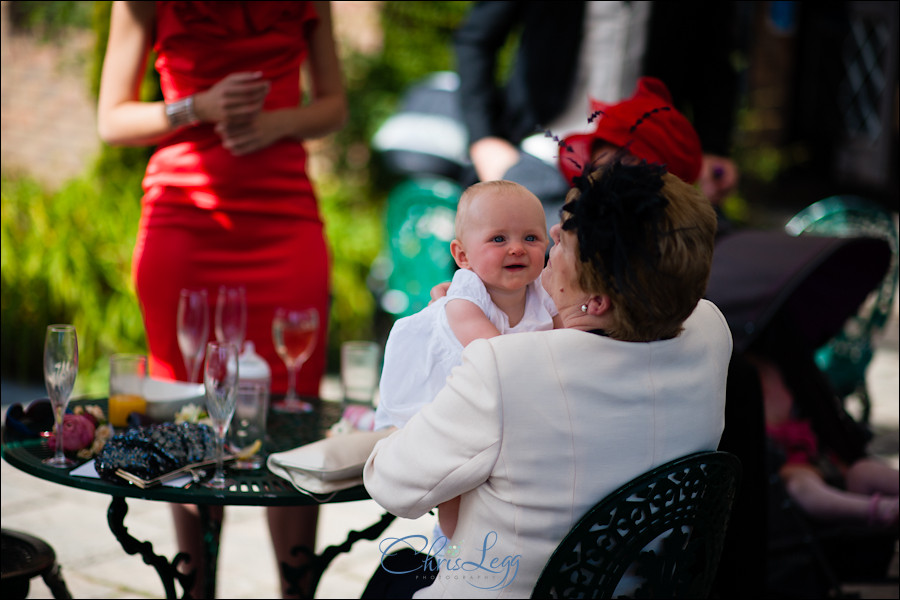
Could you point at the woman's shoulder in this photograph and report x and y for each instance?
(707, 314)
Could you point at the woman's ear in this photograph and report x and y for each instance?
(599, 305)
(459, 255)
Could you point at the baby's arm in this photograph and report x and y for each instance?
(468, 322)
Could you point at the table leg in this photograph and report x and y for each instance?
(318, 563)
(212, 530)
(168, 571)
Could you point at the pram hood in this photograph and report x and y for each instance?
(814, 282)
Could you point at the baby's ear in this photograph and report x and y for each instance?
(459, 255)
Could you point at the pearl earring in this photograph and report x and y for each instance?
(584, 308)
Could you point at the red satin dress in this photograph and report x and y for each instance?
(209, 218)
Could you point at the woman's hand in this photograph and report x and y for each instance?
(493, 157)
(235, 99)
(718, 177)
(242, 137)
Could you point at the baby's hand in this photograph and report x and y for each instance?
(439, 291)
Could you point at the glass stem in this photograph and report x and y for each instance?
(195, 367)
(220, 456)
(292, 379)
(58, 416)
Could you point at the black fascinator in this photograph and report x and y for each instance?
(618, 219)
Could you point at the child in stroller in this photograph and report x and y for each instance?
(871, 487)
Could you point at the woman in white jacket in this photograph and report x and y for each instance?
(535, 428)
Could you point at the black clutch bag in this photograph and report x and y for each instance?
(152, 451)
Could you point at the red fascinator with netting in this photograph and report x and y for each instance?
(645, 125)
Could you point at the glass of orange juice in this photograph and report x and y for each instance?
(127, 373)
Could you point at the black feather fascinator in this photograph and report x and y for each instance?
(618, 219)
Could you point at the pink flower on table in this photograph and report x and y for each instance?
(78, 433)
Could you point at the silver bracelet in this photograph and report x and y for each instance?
(181, 113)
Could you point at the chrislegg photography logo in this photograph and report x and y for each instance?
(475, 564)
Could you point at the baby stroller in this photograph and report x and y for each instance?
(785, 297)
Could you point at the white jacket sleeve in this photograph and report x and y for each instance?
(448, 448)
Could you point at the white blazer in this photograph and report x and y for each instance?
(535, 428)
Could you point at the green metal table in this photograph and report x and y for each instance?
(252, 488)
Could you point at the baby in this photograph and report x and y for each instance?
(501, 239)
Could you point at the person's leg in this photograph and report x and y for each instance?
(871, 476)
(401, 574)
(289, 527)
(189, 533)
(824, 502)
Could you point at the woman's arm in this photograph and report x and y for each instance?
(122, 119)
(325, 114)
(448, 448)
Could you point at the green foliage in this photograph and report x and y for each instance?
(48, 19)
(66, 258)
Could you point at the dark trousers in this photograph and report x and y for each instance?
(400, 575)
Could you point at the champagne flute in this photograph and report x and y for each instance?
(231, 315)
(60, 368)
(220, 376)
(193, 329)
(294, 334)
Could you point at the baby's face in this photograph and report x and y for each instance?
(505, 238)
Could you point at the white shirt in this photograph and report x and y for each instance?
(421, 349)
(609, 64)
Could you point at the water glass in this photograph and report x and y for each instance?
(360, 367)
(249, 422)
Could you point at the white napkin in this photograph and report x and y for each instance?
(329, 465)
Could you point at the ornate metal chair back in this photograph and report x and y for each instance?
(663, 531)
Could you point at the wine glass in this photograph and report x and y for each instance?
(60, 368)
(193, 329)
(231, 315)
(220, 376)
(294, 334)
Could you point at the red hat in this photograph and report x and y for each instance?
(648, 125)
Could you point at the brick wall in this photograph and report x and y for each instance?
(48, 117)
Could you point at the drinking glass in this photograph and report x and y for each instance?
(60, 368)
(220, 376)
(360, 362)
(193, 329)
(127, 374)
(249, 423)
(231, 315)
(294, 334)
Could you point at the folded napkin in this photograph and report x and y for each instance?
(329, 465)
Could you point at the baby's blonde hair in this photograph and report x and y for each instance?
(484, 187)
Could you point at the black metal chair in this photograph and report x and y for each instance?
(26, 557)
(665, 527)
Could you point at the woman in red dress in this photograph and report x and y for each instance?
(227, 199)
